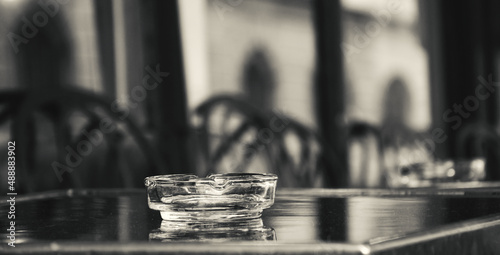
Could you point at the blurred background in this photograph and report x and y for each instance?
(102, 93)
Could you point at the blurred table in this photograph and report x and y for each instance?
(439, 220)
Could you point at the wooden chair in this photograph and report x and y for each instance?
(24, 110)
(234, 136)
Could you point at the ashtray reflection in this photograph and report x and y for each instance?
(244, 230)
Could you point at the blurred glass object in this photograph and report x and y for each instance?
(425, 174)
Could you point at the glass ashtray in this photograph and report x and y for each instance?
(216, 198)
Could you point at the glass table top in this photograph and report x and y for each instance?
(350, 221)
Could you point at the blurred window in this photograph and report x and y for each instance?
(263, 50)
(382, 44)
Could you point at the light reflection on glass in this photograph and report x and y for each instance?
(370, 217)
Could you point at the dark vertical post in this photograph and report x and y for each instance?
(430, 17)
(329, 84)
(105, 40)
(463, 60)
(491, 53)
(163, 53)
(463, 49)
(491, 23)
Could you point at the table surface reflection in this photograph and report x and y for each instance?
(350, 221)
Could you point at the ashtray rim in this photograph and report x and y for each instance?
(213, 179)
